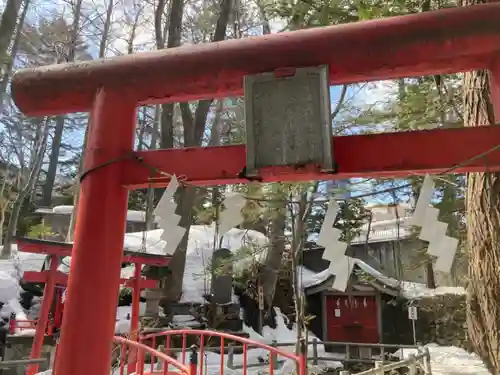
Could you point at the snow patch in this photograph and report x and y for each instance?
(132, 215)
(450, 360)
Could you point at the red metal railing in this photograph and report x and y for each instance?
(140, 349)
(27, 324)
(197, 351)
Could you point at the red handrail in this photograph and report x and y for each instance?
(27, 324)
(141, 349)
(300, 359)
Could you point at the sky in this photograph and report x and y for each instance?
(366, 95)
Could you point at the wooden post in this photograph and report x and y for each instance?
(427, 361)
(412, 365)
(134, 321)
(230, 356)
(315, 350)
(273, 356)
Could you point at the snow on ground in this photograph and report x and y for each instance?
(199, 254)
(198, 257)
(123, 314)
(445, 360)
(450, 360)
(20, 262)
(282, 334)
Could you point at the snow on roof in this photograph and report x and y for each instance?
(132, 215)
(409, 290)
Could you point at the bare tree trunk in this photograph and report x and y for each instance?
(37, 159)
(194, 126)
(483, 234)
(150, 220)
(275, 252)
(50, 178)
(102, 52)
(429, 275)
(15, 46)
(7, 27)
(5, 197)
(298, 239)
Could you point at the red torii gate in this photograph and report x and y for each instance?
(440, 42)
(52, 277)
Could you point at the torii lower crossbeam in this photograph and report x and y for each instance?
(445, 41)
(372, 155)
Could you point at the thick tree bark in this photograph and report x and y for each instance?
(274, 256)
(7, 27)
(194, 127)
(7, 72)
(48, 186)
(483, 234)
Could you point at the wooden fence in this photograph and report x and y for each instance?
(353, 353)
(413, 363)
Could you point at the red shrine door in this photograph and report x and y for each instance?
(353, 319)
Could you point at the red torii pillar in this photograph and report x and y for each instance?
(445, 41)
(53, 277)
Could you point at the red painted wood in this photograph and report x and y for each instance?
(365, 312)
(43, 247)
(43, 316)
(58, 313)
(134, 346)
(96, 257)
(42, 276)
(353, 322)
(135, 283)
(62, 249)
(375, 155)
(61, 278)
(445, 41)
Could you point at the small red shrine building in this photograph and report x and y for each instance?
(356, 315)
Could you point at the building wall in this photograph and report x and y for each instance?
(397, 259)
(380, 255)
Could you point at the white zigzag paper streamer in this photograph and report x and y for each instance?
(231, 216)
(340, 265)
(169, 220)
(432, 230)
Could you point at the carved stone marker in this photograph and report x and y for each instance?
(222, 277)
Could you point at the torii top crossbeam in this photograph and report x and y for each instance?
(446, 41)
